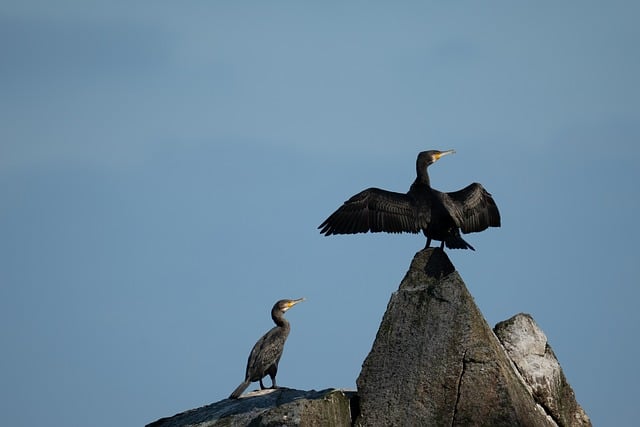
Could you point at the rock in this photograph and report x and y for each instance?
(435, 360)
(534, 359)
(279, 407)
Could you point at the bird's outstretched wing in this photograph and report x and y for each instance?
(472, 208)
(373, 210)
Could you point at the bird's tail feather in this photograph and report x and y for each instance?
(238, 391)
(455, 241)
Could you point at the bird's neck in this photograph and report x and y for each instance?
(422, 177)
(279, 320)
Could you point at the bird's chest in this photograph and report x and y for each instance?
(436, 216)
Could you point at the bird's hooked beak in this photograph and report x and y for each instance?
(293, 302)
(443, 153)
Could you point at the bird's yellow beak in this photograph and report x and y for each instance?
(443, 153)
(294, 302)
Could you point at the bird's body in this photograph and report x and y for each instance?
(266, 353)
(440, 216)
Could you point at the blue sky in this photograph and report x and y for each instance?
(164, 166)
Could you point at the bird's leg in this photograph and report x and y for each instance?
(428, 242)
(442, 245)
(262, 387)
(273, 382)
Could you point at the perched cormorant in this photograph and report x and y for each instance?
(439, 215)
(266, 354)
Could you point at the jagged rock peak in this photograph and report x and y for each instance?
(527, 346)
(435, 360)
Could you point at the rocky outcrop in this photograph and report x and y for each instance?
(279, 407)
(534, 359)
(435, 361)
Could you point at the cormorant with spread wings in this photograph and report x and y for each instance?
(440, 216)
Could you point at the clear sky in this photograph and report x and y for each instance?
(164, 166)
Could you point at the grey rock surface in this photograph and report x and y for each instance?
(435, 361)
(279, 407)
(527, 346)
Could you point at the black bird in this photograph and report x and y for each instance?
(266, 354)
(439, 215)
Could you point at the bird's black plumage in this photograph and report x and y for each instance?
(265, 355)
(440, 216)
